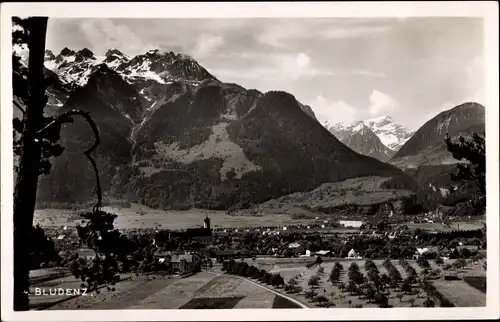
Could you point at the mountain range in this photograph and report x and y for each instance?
(363, 140)
(174, 136)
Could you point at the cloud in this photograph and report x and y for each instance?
(206, 45)
(276, 68)
(332, 112)
(275, 36)
(293, 30)
(381, 103)
(474, 87)
(475, 80)
(352, 32)
(367, 73)
(103, 34)
(297, 66)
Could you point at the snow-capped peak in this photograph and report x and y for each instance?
(149, 70)
(359, 127)
(340, 126)
(390, 133)
(49, 55)
(381, 120)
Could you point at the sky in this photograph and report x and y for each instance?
(346, 69)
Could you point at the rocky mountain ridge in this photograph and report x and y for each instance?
(177, 137)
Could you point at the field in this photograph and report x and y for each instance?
(204, 290)
(460, 225)
(129, 218)
(138, 216)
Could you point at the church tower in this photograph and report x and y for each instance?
(206, 223)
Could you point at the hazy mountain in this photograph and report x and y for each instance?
(426, 146)
(359, 136)
(426, 158)
(174, 136)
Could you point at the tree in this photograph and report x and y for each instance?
(311, 294)
(334, 276)
(313, 281)
(277, 280)
(42, 249)
(400, 297)
(292, 281)
(381, 299)
(429, 303)
(406, 286)
(370, 291)
(473, 151)
(32, 33)
(35, 143)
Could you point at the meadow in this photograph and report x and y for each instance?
(205, 290)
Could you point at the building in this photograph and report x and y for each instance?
(206, 223)
(351, 223)
(202, 235)
(419, 252)
(353, 254)
(324, 253)
(185, 263)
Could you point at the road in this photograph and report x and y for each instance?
(302, 305)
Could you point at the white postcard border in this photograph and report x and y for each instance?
(401, 10)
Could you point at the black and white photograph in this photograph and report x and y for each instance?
(207, 162)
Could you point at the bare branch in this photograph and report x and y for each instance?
(19, 107)
(66, 118)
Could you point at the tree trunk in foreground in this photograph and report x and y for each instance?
(27, 177)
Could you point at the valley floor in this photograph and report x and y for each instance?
(141, 217)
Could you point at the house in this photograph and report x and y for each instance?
(351, 223)
(185, 263)
(181, 263)
(419, 252)
(353, 254)
(163, 258)
(325, 253)
(294, 245)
